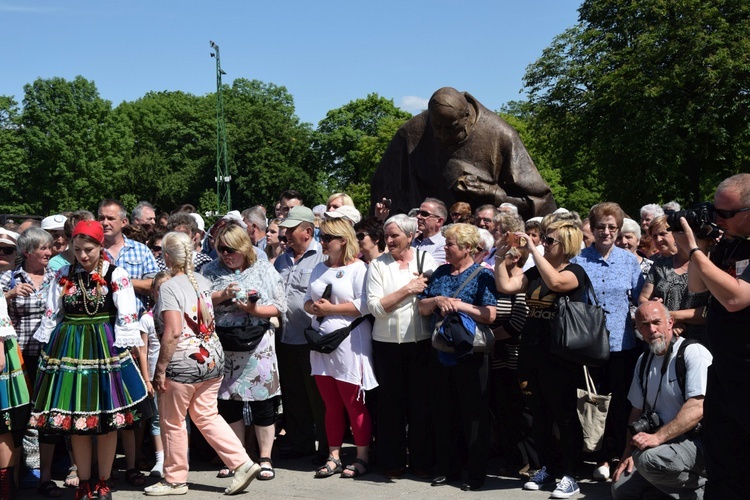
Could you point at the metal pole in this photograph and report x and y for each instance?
(223, 191)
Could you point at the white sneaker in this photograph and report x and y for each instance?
(243, 476)
(566, 488)
(163, 488)
(601, 473)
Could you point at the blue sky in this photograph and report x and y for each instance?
(326, 53)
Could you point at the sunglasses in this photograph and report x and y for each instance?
(362, 236)
(225, 249)
(282, 239)
(7, 250)
(425, 214)
(156, 248)
(327, 238)
(549, 241)
(728, 214)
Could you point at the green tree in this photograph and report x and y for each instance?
(350, 141)
(646, 101)
(173, 157)
(269, 148)
(14, 174)
(75, 146)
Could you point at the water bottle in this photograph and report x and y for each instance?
(241, 295)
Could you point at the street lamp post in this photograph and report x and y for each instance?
(223, 191)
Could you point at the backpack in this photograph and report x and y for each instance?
(680, 367)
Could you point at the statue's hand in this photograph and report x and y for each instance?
(490, 193)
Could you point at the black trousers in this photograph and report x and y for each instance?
(304, 411)
(549, 385)
(513, 420)
(403, 403)
(726, 436)
(460, 414)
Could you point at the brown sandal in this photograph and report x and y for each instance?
(326, 470)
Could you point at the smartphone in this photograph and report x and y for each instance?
(387, 203)
(512, 239)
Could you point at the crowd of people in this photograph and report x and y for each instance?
(425, 337)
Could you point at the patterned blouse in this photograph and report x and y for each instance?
(26, 312)
(249, 376)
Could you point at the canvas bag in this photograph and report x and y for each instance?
(592, 412)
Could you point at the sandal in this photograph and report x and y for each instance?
(50, 489)
(225, 472)
(326, 470)
(71, 480)
(135, 478)
(354, 470)
(266, 471)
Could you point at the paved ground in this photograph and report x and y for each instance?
(294, 479)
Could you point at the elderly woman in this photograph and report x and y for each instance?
(25, 290)
(87, 383)
(14, 400)
(617, 279)
(401, 349)
(549, 382)
(246, 293)
(343, 375)
(667, 282)
(460, 385)
(370, 236)
(8, 241)
(629, 239)
(188, 374)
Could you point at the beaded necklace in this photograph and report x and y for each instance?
(97, 301)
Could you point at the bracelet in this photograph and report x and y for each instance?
(692, 251)
(500, 257)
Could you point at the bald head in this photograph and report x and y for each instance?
(655, 324)
(451, 115)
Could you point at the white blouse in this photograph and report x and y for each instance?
(6, 326)
(127, 330)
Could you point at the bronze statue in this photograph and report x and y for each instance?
(458, 150)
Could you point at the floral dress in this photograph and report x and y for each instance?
(249, 376)
(87, 382)
(14, 393)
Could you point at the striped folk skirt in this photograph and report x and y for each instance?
(14, 391)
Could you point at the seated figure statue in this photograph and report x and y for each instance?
(458, 150)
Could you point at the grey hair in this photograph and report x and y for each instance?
(486, 241)
(510, 206)
(138, 210)
(631, 226)
(255, 215)
(406, 224)
(671, 205)
(653, 209)
(440, 209)
(31, 239)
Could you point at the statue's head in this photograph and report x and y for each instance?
(450, 115)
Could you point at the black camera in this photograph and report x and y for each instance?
(648, 423)
(700, 218)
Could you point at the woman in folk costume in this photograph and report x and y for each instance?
(87, 382)
(14, 399)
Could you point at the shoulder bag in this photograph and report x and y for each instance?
(329, 342)
(578, 332)
(484, 339)
(592, 412)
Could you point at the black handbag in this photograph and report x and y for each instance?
(578, 332)
(329, 342)
(242, 338)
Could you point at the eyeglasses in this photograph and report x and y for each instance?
(484, 220)
(225, 249)
(549, 241)
(602, 228)
(362, 236)
(7, 250)
(282, 239)
(425, 214)
(156, 248)
(327, 238)
(728, 214)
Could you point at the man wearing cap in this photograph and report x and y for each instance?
(134, 257)
(304, 411)
(55, 225)
(7, 249)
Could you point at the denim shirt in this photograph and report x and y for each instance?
(612, 279)
(296, 277)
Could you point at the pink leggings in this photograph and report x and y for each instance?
(339, 396)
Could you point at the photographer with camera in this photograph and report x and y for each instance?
(726, 275)
(663, 453)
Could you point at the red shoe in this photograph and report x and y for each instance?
(84, 491)
(103, 490)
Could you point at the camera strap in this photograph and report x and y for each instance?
(644, 377)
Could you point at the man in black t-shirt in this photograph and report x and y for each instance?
(726, 274)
